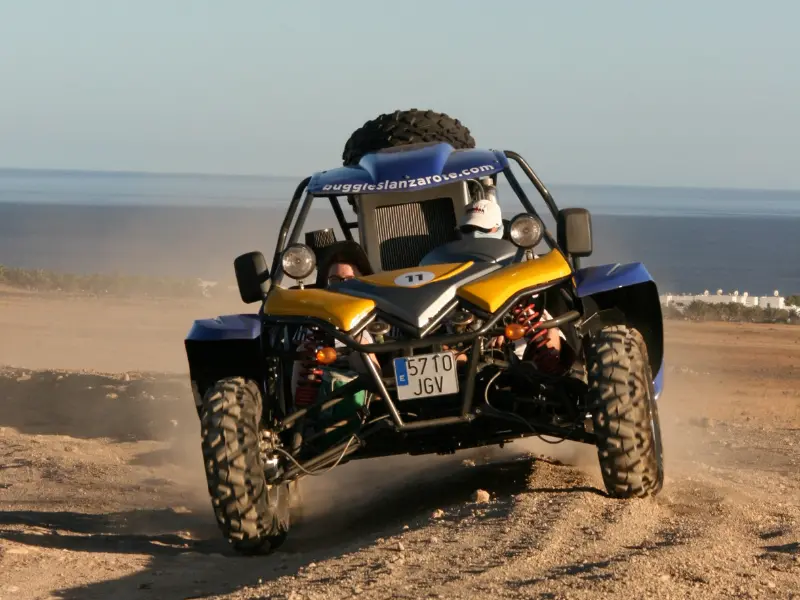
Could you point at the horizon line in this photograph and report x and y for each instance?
(299, 178)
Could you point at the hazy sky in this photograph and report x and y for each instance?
(702, 93)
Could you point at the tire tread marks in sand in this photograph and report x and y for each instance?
(251, 514)
(404, 127)
(540, 530)
(621, 395)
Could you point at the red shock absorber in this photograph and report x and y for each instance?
(310, 374)
(543, 356)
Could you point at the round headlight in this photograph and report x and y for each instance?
(298, 261)
(526, 230)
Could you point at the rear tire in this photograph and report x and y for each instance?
(253, 515)
(403, 127)
(625, 414)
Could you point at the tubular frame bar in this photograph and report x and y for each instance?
(348, 341)
(286, 224)
(543, 191)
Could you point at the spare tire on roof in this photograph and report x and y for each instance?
(404, 127)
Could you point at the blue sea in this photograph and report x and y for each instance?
(691, 240)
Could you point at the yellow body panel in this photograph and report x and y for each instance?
(343, 312)
(440, 272)
(492, 291)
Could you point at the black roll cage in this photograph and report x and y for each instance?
(285, 239)
(373, 381)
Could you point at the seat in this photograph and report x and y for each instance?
(506, 230)
(398, 229)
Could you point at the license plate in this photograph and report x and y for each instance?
(426, 375)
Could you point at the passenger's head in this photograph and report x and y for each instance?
(483, 218)
(342, 271)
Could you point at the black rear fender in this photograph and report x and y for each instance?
(227, 346)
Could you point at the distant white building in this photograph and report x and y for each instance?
(774, 301)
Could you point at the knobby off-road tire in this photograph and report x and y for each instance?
(252, 515)
(624, 413)
(403, 127)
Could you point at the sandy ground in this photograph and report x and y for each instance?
(102, 492)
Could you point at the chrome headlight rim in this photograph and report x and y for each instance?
(298, 269)
(526, 231)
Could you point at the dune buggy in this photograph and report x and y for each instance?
(426, 297)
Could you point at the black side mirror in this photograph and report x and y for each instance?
(252, 276)
(575, 231)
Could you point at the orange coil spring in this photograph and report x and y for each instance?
(545, 357)
(310, 377)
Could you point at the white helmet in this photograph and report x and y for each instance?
(483, 218)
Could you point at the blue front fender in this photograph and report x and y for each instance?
(226, 327)
(604, 278)
(630, 288)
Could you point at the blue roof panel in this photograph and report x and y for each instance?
(408, 168)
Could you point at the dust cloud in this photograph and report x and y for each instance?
(153, 241)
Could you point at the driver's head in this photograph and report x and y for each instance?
(342, 271)
(341, 261)
(483, 218)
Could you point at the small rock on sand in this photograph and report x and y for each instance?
(480, 496)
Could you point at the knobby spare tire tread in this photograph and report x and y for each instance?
(403, 127)
(625, 416)
(252, 515)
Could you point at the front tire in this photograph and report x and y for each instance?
(253, 515)
(624, 412)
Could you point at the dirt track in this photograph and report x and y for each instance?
(102, 492)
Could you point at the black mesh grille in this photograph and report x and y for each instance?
(407, 232)
(321, 238)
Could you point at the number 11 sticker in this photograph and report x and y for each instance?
(413, 278)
